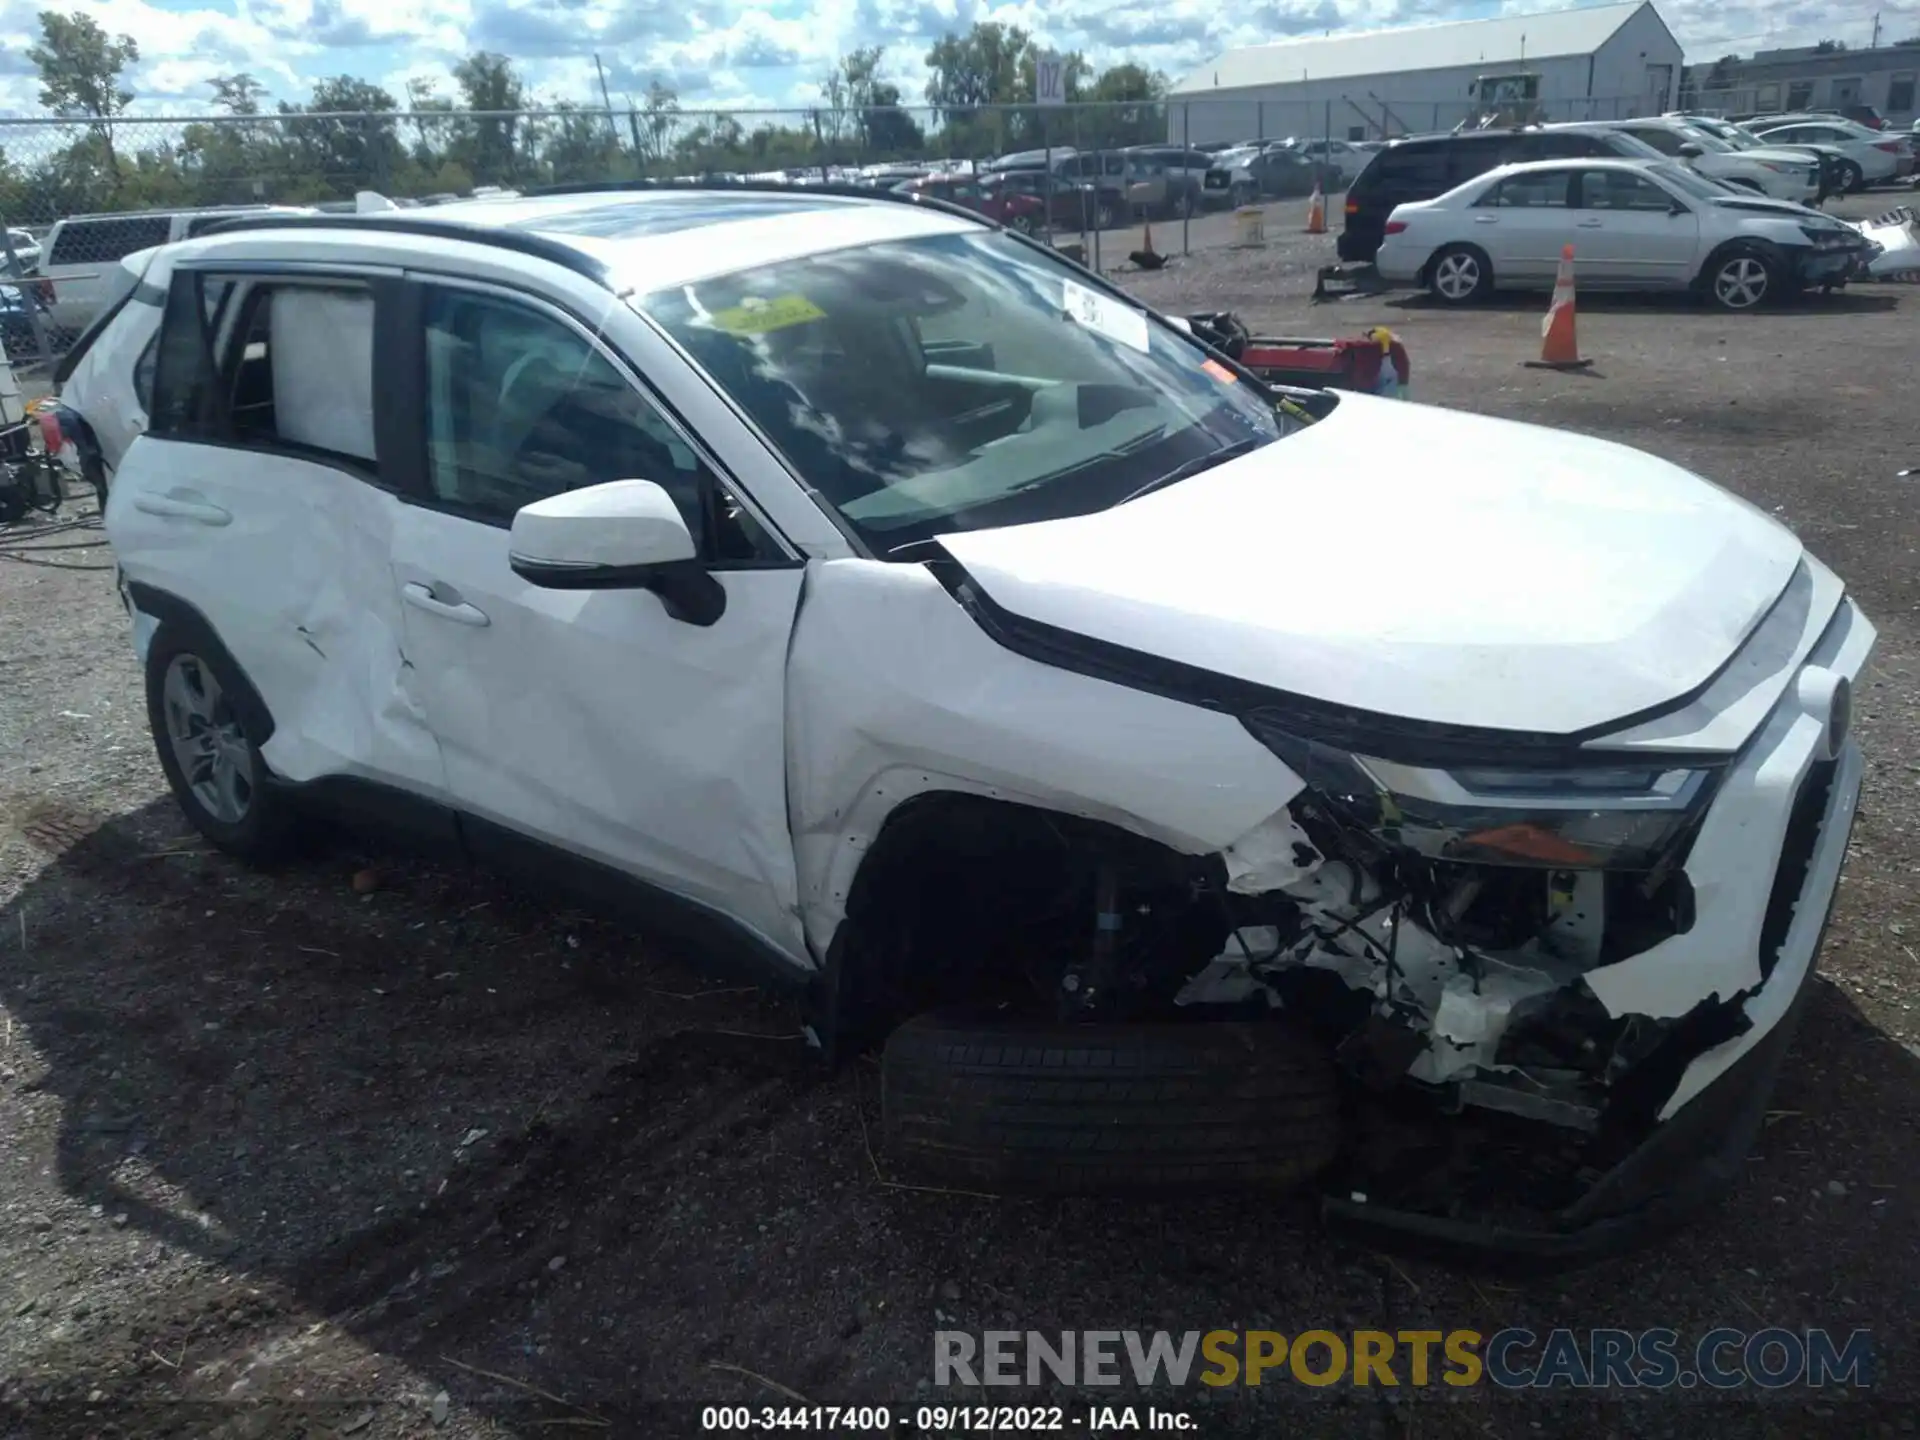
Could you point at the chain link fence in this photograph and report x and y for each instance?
(75, 197)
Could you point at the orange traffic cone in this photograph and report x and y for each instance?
(1317, 210)
(1146, 235)
(1559, 346)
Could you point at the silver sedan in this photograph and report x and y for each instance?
(1634, 225)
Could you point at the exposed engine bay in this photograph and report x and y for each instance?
(1457, 976)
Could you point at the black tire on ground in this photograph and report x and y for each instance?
(1851, 179)
(264, 829)
(1033, 1106)
(1460, 275)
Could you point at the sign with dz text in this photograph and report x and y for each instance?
(1050, 79)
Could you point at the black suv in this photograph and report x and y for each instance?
(1428, 165)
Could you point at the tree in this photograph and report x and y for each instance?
(977, 69)
(854, 91)
(488, 142)
(1132, 111)
(80, 68)
(1829, 47)
(237, 94)
(350, 143)
(659, 115)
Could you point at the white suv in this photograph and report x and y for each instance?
(879, 597)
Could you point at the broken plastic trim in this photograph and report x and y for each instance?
(1683, 1166)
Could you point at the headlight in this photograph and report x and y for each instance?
(1824, 238)
(1614, 814)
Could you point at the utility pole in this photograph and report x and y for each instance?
(1875, 45)
(606, 99)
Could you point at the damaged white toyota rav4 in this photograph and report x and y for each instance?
(1185, 782)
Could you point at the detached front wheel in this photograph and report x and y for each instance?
(1032, 1106)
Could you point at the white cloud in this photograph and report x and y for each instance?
(726, 53)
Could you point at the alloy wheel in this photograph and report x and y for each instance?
(1456, 276)
(207, 740)
(1741, 283)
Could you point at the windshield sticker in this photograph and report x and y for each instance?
(754, 316)
(1219, 372)
(1117, 322)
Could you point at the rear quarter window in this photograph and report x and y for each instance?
(104, 241)
(1406, 168)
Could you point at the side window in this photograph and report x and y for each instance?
(1661, 139)
(1529, 192)
(298, 369)
(1558, 145)
(1621, 190)
(521, 406)
(143, 373)
(285, 365)
(187, 402)
(1473, 158)
(96, 242)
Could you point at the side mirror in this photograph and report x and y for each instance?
(1689, 150)
(624, 535)
(1676, 208)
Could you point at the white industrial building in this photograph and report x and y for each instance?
(1600, 63)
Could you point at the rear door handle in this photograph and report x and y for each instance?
(452, 607)
(182, 505)
(1486, 219)
(1588, 224)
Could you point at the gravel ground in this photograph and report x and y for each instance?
(303, 1153)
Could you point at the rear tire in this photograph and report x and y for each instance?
(1045, 1107)
(1851, 179)
(1460, 275)
(211, 761)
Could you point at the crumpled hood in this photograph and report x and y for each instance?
(1416, 562)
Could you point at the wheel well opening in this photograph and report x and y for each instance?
(968, 899)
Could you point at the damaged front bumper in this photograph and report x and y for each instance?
(1583, 1088)
(1699, 1150)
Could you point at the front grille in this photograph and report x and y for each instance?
(1796, 856)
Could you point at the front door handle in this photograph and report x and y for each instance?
(1588, 224)
(450, 607)
(182, 505)
(1486, 219)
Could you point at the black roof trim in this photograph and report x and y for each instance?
(770, 187)
(524, 242)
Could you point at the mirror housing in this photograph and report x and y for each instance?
(623, 535)
(1689, 150)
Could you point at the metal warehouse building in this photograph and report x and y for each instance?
(1600, 63)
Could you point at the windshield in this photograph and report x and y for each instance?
(960, 381)
(1691, 182)
(1705, 139)
(1735, 137)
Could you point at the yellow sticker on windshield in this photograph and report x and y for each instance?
(757, 317)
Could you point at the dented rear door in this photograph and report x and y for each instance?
(256, 499)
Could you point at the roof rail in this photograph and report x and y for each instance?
(838, 189)
(407, 222)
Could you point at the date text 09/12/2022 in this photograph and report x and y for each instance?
(948, 1419)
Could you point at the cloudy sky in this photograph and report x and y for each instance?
(726, 53)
